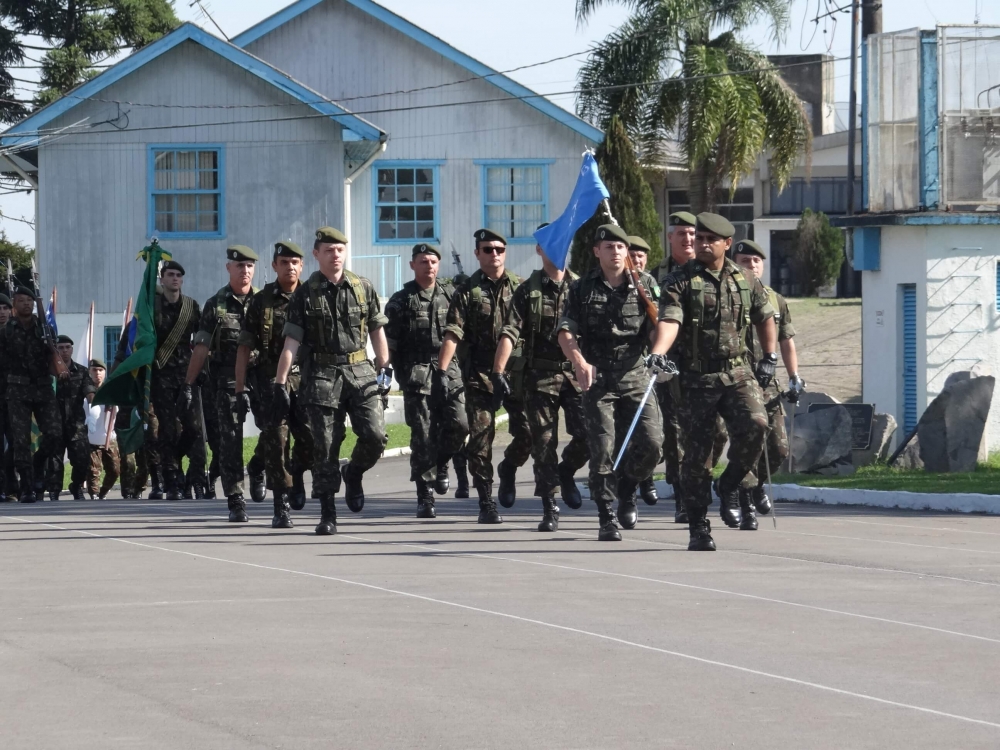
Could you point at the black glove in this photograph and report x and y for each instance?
(281, 402)
(501, 389)
(766, 368)
(242, 405)
(662, 366)
(185, 398)
(439, 389)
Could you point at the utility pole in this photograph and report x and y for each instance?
(852, 107)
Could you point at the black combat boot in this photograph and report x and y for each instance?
(680, 512)
(327, 516)
(4, 498)
(173, 493)
(354, 493)
(628, 512)
(760, 500)
(425, 500)
(700, 530)
(487, 508)
(258, 490)
(647, 488)
(609, 526)
(568, 489)
(28, 496)
(297, 495)
(156, 491)
(210, 484)
(199, 488)
(550, 514)
(281, 519)
(53, 496)
(507, 474)
(188, 488)
(461, 476)
(441, 482)
(237, 508)
(76, 491)
(749, 520)
(729, 504)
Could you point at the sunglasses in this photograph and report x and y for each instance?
(493, 250)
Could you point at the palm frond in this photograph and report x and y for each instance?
(586, 8)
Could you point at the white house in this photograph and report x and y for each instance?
(332, 112)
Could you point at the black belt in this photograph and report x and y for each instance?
(616, 365)
(550, 365)
(714, 366)
(326, 360)
(25, 380)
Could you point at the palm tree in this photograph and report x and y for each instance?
(666, 77)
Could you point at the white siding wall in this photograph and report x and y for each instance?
(345, 54)
(282, 180)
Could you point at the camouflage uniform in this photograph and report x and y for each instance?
(8, 478)
(179, 432)
(262, 333)
(135, 467)
(70, 394)
(612, 330)
(549, 383)
(417, 320)
(476, 316)
(25, 360)
(714, 310)
(106, 460)
(332, 322)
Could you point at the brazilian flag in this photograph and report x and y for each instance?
(128, 386)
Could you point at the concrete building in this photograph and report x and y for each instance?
(330, 112)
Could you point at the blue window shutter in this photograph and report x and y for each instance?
(909, 314)
(111, 336)
(998, 287)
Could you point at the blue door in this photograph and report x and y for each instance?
(908, 301)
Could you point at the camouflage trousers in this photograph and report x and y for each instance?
(107, 460)
(609, 407)
(358, 398)
(482, 430)
(777, 438)
(230, 453)
(281, 455)
(73, 444)
(135, 467)
(741, 406)
(212, 431)
(673, 433)
(543, 421)
(23, 402)
(434, 436)
(179, 432)
(8, 478)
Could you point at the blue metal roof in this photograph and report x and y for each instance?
(358, 129)
(400, 24)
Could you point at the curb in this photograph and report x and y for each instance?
(396, 452)
(958, 502)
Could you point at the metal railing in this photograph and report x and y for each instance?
(364, 265)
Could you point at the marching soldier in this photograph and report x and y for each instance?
(262, 338)
(218, 333)
(26, 362)
(709, 303)
(605, 332)
(418, 314)
(100, 458)
(535, 311)
(476, 316)
(176, 318)
(8, 480)
(331, 317)
(750, 256)
(70, 394)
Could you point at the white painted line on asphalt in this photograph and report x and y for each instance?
(909, 526)
(532, 621)
(889, 541)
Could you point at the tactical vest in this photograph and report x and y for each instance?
(594, 299)
(695, 359)
(267, 323)
(533, 323)
(426, 321)
(322, 325)
(227, 328)
(476, 319)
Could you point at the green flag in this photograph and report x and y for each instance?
(128, 386)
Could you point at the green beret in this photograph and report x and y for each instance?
(5, 300)
(172, 265)
(635, 242)
(485, 235)
(715, 224)
(425, 247)
(62, 338)
(749, 247)
(289, 249)
(241, 253)
(683, 219)
(331, 235)
(610, 233)
(98, 363)
(27, 291)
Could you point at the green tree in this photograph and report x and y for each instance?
(668, 78)
(82, 34)
(12, 109)
(631, 201)
(18, 254)
(817, 251)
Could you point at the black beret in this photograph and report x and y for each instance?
(331, 235)
(27, 291)
(62, 338)
(715, 224)
(425, 247)
(172, 265)
(749, 247)
(610, 233)
(289, 249)
(635, 242)
(683, 219)
(241, 253)
(98, 363)
(5, 300)
(485, 235)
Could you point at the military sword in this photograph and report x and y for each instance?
(770, 487)
(635, 420)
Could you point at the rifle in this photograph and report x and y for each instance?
(652, 312)
(11, 285)
(56, 365)
(456, 258)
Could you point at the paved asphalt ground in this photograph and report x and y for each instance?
(155, 625)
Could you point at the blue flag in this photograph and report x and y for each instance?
(50, 318)
(132, 326)
(556, 239)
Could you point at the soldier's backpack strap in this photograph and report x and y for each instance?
(318, 318)
(167, 347)
(475, 302)
(535, 302)
(696, 311)
(744, 287)
(266, 324)
(359, 294)
(221, 309)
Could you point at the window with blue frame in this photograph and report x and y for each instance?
(186, 191)
(406, 202)
(112, 334)
(515, 198)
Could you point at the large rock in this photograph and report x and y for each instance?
(951, 430)
(807, 399)
(821, 439)
(909, 457)
(883, 428)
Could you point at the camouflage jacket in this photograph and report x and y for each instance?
(24, 355)
(166, 315)
(417, 321)
(219, 329)
(783, 321)
(262, 331)
(71, 392)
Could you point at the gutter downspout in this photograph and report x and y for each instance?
(348, 180)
